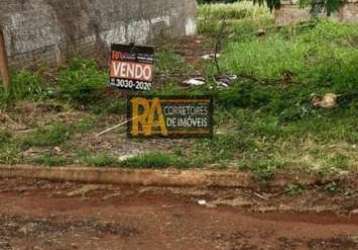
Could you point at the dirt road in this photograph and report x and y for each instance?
(45, 215)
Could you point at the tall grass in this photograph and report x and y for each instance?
(324, 56)
(211, 16)
(239, 10)
(24, 85)
(82, 82)
(270, 115)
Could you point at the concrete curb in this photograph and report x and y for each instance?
(189, 178)
(180, 178)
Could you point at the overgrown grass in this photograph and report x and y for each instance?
(240, 19)
(82, 82)
(323, 57)
(265, 122)
(240, 10)
(10, 152)
(51, 160)
(24, 85)
(98, 160)
(168, 62)
(109, 106)
(50, 136)
(56, 134)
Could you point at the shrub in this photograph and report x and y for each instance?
(82, 82)
(24, 85)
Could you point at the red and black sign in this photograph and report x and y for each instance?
(131, 67)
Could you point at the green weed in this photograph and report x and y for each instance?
(263, 169)
(241, 19)
(98, 160)
(5, 137)
(109, 106)
(10, 152)
(222, 148)
(241, 10)
(50, 136)
(51, 160)
(168, 62)
(322, 57)
(24, 85)
(82, 82)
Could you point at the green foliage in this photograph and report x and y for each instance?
(240, 10)
(98, 160)
(24, 85)
(221, 149)
(263, 169)
(50, 136)
(239, 20)
(321, 59)
(5, 137)
(9, 150)
(82, 82)
(167, 62)
(270, 58)
(335, 163)
(109, 106)
(51, 160)
(10, 153)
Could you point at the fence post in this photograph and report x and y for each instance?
(4, 67)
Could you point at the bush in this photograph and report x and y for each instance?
(24, 85)
(82, 82)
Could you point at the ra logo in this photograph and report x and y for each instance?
(147, 117)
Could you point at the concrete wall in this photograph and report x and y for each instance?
(49, 31)
(291, 13)
(349, 12)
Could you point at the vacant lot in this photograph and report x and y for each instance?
(271, 118)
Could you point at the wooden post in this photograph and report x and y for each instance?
(4, 67)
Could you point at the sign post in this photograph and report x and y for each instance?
(4, 67)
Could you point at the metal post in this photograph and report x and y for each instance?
(4, 67)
